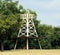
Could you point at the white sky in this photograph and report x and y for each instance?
(48, 11)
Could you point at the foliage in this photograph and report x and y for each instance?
(10, 23)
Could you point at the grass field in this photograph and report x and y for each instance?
(31, 52)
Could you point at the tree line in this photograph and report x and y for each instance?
(10, 23)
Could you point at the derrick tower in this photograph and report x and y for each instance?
(27, 29)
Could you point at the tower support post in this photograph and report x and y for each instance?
(39, 44)
(27, 44)
(15, 44)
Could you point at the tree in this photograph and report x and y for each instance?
(9, 20)
(56, 38)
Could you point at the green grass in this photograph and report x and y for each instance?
(31, 52)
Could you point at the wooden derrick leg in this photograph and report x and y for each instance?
(39, 44)
(15, 44)
(27, 46)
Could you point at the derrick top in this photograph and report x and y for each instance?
(27, 15)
